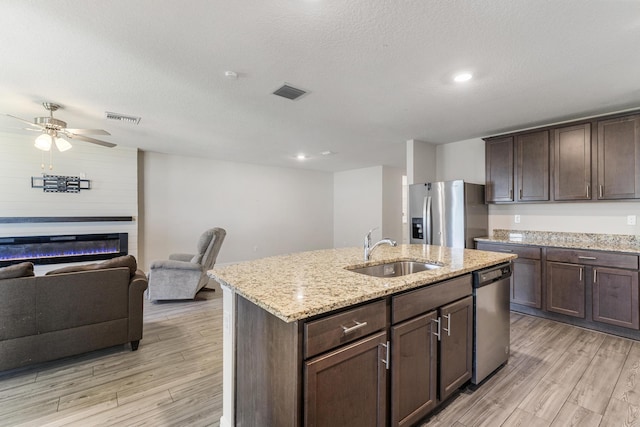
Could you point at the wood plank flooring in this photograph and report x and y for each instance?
(558, 375)
(174, 379)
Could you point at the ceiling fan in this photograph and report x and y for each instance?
(53, 129)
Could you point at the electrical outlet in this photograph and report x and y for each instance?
(631, 220)
(516, 219)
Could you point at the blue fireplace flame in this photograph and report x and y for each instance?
(62, 249)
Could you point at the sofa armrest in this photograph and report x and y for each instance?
(137, 285)
(181, 257)
(175, 265)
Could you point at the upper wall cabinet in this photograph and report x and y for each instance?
(594, 160)
(529, 153)
(532, 166)
(499, 170)
(572, 162)
(619, 158)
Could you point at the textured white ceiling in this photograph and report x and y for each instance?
(378, 72)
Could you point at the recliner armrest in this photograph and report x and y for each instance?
(181, 257)
(176, 265)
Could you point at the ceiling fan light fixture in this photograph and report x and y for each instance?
(43, 142)
(62, 144)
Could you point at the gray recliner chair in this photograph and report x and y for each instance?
(183, 275)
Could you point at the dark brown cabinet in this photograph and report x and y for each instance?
(598, 159)
(347, 387)
(431, 352)
(499, 170)
(532, 166)
(566, 289)
(456, 345)
(610, 279)
(572, 163)
(615, 297)
(526, 276)
(618, 143)
(414, 370)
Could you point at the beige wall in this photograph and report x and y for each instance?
(364, 199)
(265, 210)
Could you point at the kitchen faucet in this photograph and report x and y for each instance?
(367, 244)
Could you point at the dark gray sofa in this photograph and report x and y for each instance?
(48, 317)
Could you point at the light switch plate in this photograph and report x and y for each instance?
(631, 220)
(516, 219)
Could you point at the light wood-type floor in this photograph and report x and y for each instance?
(174, 379)
(558, 375)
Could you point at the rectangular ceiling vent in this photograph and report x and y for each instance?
(122, 117)
(289, 92)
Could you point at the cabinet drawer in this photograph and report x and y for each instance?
(531, 252)
(413, 303)
(341, 328)
(604, 259)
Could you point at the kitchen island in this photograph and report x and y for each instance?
(292, 322)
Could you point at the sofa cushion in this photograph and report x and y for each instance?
(24, 269)
(121, 261)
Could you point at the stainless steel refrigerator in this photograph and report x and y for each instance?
(448, 213)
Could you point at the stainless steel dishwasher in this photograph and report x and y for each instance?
(491, 331)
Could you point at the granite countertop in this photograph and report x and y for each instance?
(591, 241)
(297, 286)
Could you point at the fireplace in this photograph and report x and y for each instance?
(62, 249)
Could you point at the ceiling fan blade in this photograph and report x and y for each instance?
(26, 121)
(88, 131)
(91, 140)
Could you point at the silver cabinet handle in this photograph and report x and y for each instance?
(506, 250)
(357, 326)
(437, 334)
(588, 191)
(511, 194)
(595, 275)
(587, 257)
(521, 194)
(581, 268)
(448, 328)
(600, 190)
(386, 357)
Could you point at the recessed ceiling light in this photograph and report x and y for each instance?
(462, 77)
(301, 157)
(231, 75)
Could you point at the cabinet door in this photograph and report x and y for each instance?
(456, 346)
(565, 289)
(532, 153)
(615, 297)
(499, 170)
(526, 283)
(413, 369)
(347, 387)
(572, 162)
(619, 158)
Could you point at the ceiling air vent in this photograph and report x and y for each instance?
(122, 117)
(289, 92)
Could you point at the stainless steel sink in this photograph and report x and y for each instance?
(395, 269)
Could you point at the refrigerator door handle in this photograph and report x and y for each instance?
(426, 218)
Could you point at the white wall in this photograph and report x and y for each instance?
(465, 159)
(357, 205)
(461, 160)
(421, 162)
(265, 210)
(364, 199)
(113, 192)
(597, 217)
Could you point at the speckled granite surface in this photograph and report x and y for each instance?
(599, 242)
(297, 286)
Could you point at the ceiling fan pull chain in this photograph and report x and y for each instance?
(42, 160)
(51, 159)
